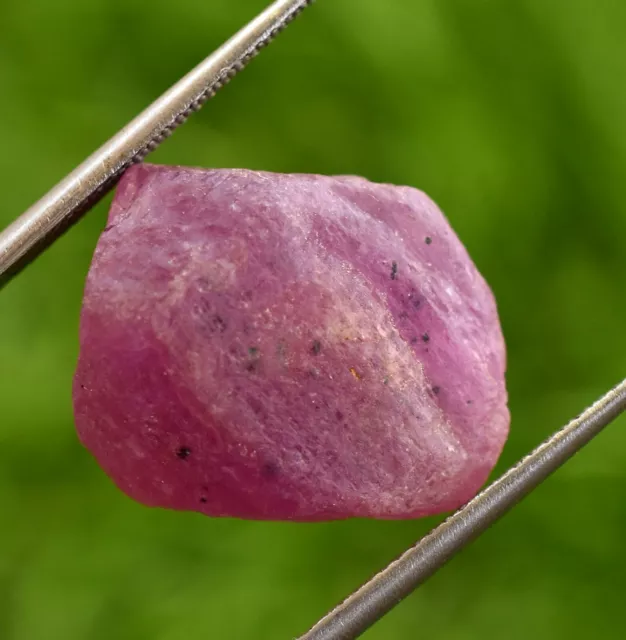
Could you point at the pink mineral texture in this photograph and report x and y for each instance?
(287, 347)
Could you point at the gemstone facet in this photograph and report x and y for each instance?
(287, 347)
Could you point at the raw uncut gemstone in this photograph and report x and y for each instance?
(287, 347)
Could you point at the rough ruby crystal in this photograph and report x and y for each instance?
(287, 347)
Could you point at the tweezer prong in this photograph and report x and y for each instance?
(45, 221)
(378, 596)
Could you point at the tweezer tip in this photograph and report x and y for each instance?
(389, 587)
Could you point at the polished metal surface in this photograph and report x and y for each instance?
(40, 225)
(373, 600)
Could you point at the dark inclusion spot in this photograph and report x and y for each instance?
(316, 349)
(270, 470)
(394, 270)
(219, 324)
(436, 390)
(469, 402)
(203, 500)
(428, 240)
(339, 415)
(414, 339)
(108, 228)
(253, 365)
(205, 314)
(255, 405)
(414, 299)
(426, 338)
(183, 453)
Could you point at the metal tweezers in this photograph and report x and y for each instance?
(45, 221)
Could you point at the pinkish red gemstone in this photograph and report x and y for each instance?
(287, 347)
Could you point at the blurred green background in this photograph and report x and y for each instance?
(512, 115)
